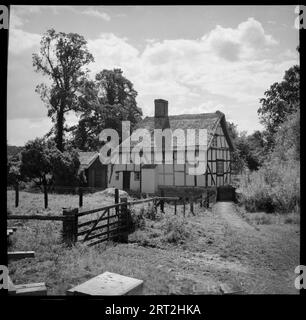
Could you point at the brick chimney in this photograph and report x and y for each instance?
(161, 120)
(161, 108)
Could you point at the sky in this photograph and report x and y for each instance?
(199, 58)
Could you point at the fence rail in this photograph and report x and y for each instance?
(47, 190)
(114, 221)
(34, 217)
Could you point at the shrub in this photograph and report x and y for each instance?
(274, 187)
(150, 213)
(138, 219)
(175, 229)
(292, 218)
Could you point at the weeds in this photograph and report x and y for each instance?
(273, 188)
(175, 229)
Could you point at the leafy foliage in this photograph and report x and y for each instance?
(13, 170)
(44, 164)
(249, 149)
(287, 139)
(274, 187)
(61, 58)
(281, 100)
(106, 102)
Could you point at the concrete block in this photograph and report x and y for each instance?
(109, 284)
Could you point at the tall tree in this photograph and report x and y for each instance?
(62, 58)
(106, 102)
(281, 100)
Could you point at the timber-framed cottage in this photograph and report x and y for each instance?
(175, 178)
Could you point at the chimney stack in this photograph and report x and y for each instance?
(161, 108)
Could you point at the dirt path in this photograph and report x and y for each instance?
(228, 212)
(271, 252)
(226, 251)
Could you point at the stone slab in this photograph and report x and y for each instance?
(108, 284)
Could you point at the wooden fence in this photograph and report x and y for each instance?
(111, 222)
(80, 191)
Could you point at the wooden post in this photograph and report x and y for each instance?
(70, 225)
(80, 197)
(162, 194)
(123, 223)
(45, 196)
(117, 199)
(184, 206)
(108, 224)
(191, 205)
(16, 194)
(201, 201)
(207, 199)
(175, 207)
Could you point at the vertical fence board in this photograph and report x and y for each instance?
(16, 195)
(45, 196)
(191, 205)
(162, 194)
(117, 199)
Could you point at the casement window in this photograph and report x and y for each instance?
(136, 175)
(220, 167)
(117, 176)
(214, 142)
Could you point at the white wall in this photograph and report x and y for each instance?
(134, 185)
(112, 182)
(149, 180)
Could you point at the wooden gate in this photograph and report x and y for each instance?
(110, 223)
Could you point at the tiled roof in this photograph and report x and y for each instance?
(208, 121)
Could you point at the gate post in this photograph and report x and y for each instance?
(162, 194)
(45, 196)
(16, 194)
(70, 225)
(191, 205)
(117, 199)
(124, 222)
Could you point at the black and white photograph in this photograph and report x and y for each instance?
(152, 150)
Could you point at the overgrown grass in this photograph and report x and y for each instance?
(273, 188)
(261, 218)
(156, 229)
(62, 268)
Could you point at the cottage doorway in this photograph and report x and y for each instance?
(126, 180)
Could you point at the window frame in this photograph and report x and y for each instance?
(136, 175)
(218, 162)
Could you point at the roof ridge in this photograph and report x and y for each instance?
(190, 115)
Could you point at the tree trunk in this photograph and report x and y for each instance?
(60, 129)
